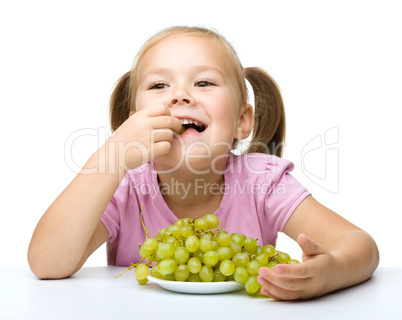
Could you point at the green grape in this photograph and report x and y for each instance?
(231, 277)
(241, 275)
(169, 277)
(187, 222)
(253, 294)
(235, 247)
(167, 266)
(169, 239)
(252, 285)
(205, 244)
(223, 239)
(182, 273)
(200, 223)
(181, 255)
(166, 250)
(192, 243)
(141, 271)
(194, 265)
(293, 261)
(210, 258)
(155, 272)
(145, 253)
(198, 254)
(239, 238)
(206, 274)
(186, 231)
(176, 244)
(227, 267)
(206, 235)
(174, 231)
(269, 250)
(252, 267)
(262, 259)
(241, 259)
(160, 235)
(224, 253)
(150, 244)
(282, 257)
(178, 223)
(213, 221)
(218, 276)
(190, 250)
(143, 281)
(157, 257)
(250, 245)
(194, 277)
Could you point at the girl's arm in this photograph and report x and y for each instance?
(336, 254)
(70, 230)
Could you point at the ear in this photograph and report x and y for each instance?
(245, 122)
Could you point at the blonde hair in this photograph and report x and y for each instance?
(269, 123)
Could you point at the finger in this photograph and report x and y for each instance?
(272, 295)
(266, 292)
(162, 135)
(166, 122)
(276, 292)
(281, 281)
(162, 148)
(157, 110)
(301, 270)
(309, 246)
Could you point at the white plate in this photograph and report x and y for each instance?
(198, 287)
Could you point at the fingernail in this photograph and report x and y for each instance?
(278, 269)
(262, 273)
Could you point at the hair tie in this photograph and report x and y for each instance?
(244, 73)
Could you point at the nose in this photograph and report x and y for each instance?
(177, 100)
(181, 96)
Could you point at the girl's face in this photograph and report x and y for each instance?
(187, 73)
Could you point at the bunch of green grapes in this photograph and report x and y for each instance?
(196, 250)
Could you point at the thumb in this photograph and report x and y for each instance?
(309, 246)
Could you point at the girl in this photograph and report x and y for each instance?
(192, 78)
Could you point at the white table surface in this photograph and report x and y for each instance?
(94, 293)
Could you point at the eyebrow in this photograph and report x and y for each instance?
(198, 68)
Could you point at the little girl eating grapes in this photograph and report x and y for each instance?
(177, 116)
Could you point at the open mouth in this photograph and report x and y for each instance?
(193, 124)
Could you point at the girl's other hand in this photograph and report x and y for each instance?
(146, 134)
(305, 280)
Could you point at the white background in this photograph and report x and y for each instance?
(338, 64)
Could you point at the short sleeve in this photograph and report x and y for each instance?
(285, 194)
(112, 216)
(111, 219)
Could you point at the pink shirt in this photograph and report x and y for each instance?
(259, 197)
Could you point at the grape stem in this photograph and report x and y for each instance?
(142, 222)
(130, 267)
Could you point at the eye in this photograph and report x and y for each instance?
(158, 85)
(204, 83)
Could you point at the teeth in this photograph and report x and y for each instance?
(190, 121)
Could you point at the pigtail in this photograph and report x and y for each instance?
(120, 101)
(269, 119)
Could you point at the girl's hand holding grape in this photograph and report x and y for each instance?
(146, 134)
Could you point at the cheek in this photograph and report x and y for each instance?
(140, 103)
